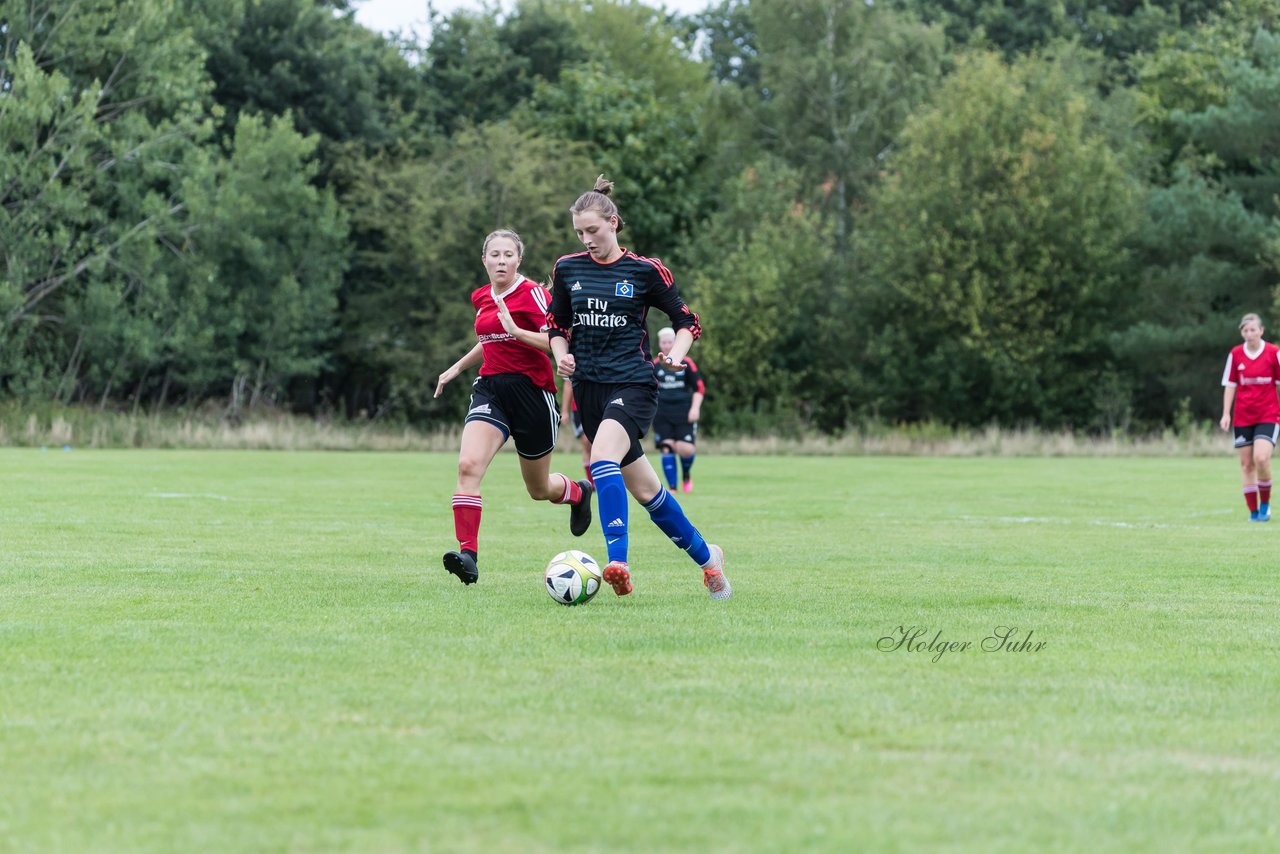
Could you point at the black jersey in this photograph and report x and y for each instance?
(601, 309)
(677, 388)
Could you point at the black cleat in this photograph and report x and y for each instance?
(580, 513)
(463, 565)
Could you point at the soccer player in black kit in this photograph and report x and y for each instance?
(675, 429)
(600, 299)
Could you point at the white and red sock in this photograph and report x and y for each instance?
(1251, 497)
(572, 492)
(466, 521)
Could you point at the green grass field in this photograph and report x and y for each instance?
(239, 651)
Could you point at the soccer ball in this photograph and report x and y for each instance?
(573, 578)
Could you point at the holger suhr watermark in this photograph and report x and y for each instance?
(919, 639)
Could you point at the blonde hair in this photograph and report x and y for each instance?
(1250, 318)
(665, 331)
(507, 233)
(598, 200)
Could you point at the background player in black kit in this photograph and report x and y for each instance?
(675, 429)
(599, 301)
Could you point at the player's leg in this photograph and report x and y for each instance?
(686, 451)
(666, 512)
(535, 425)
(1263, 446)
(546, 485)
(668, 449)
(586, 457)
(481, 441)
(1248, 474)
(581, 436)
(610, 444)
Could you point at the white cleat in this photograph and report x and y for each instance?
(713, 576)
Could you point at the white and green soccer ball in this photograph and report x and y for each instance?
(573, 578)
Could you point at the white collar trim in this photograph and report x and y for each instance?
(493, 293)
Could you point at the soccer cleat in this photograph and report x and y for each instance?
(713, 576)
(688, 485)
(1264, 512)
(580, 513)
(618, 576)
(1253, 516)
(463, 565)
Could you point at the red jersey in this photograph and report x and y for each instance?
(503, 354)
(1254, 377)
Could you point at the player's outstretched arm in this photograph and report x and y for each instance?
(474, 357)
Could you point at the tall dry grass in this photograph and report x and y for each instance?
(92, 428)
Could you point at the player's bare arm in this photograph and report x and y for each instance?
(537, 340)
(675, 358)
(474, 357)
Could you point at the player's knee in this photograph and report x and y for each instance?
(470, 469)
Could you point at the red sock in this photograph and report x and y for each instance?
(587, 468)
(572, 492)
(466, 521)
(1251, 497)
(1264, 491)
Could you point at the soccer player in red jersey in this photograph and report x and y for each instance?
(599, 301)
(1249, 382)
(514, 395)
(675, 429)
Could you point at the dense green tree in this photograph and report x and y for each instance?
(635, 106)
(260, 198)
(759, 277)
(1015, 27)
(838, 79)
(335, 78)
(102, 104)
(1205, 249)
(406, 310)
(995, 250)
(480, 66)
(729, 43)
(649, 144)
(270, 250)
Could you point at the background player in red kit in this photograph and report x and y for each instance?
(513, 396)
(1249, 381)
(599, 301)
(675, 428)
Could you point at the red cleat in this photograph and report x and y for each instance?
(618, 576)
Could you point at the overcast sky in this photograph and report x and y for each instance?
(391, 15)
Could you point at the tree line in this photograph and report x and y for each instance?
(1044, 212)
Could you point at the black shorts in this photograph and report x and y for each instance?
(1247, 434)
(669, 429)
(517, 407)
(576, 420)
(630, 404)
